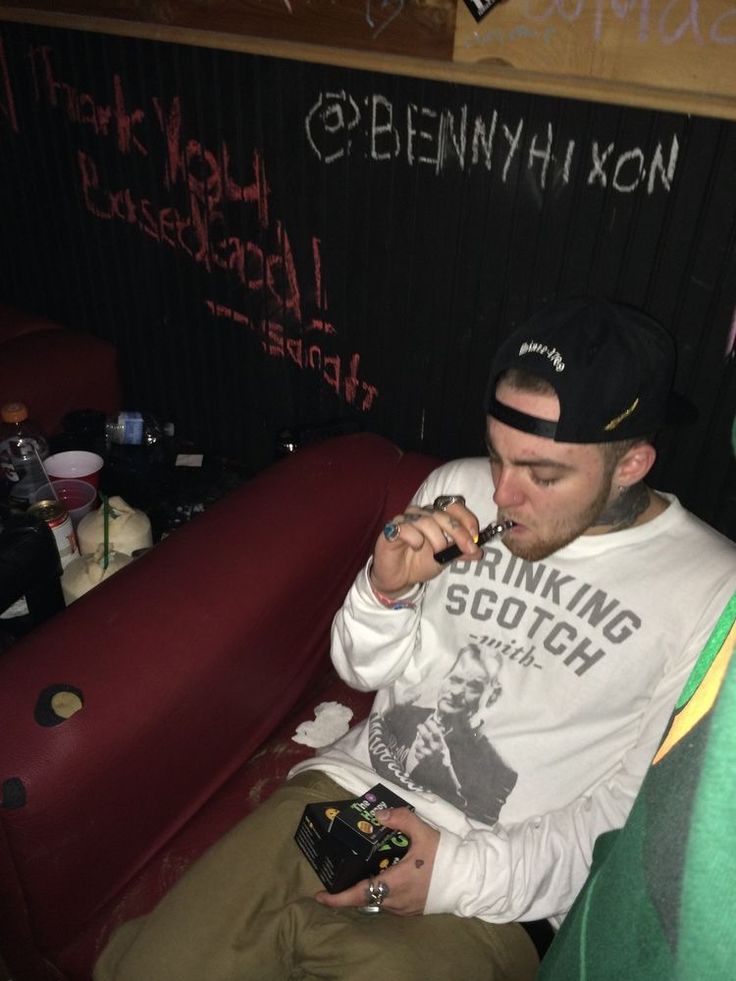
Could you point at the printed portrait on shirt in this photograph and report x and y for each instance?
(443, 748)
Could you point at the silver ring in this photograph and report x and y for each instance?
(443, 502)
(369, 909)
(375, 894)
(377, 891)
(391, 531)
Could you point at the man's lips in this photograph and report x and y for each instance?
(518, 528)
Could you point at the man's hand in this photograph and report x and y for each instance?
(408, 880)
(404, 553)
(429, 741)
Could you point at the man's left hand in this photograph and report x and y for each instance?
(408, 880)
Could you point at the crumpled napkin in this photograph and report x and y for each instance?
(331, 720)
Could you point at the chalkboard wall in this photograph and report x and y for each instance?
(275, 244)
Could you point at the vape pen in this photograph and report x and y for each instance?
(486, 534)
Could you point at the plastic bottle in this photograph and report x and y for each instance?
(23, 446)
(136, 429)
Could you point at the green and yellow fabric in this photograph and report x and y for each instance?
(660, 901)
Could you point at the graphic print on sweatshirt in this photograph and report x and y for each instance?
(544, 616)
(442, 748)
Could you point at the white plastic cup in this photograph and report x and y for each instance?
(75, 465)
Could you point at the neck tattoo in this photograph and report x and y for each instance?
(626, 509)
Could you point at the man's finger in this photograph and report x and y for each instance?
(402, 819)
(354, 896)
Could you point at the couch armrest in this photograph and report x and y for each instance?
(186, 661)
(54, 369)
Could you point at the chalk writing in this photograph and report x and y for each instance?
(500, 35)
(319, 293)
(194, 231)
(664, 22)
(332, 118)
(276, 343)
(7, 102)
(201, 195)
(448, 139)
(389, 9)
(82, 108)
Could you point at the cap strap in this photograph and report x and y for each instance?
(520, 420)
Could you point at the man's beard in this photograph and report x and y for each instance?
(564, 533)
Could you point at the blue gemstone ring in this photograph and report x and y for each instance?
(391, 531)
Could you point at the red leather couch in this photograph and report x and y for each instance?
(54, 369)
(194, 666)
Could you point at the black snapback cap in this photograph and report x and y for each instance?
(611, 365)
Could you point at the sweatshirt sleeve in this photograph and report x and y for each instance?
(534, 869)
(372, 645)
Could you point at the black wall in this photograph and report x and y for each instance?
(275, 244)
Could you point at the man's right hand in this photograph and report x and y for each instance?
(404, 553)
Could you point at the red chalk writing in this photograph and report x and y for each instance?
(341, 375)
(83, 109)
(200, 197)
(7, 102)
(209, 176)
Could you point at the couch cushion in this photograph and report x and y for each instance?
(15, 323)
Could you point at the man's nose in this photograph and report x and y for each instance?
(508, 491)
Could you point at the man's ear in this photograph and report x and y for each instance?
(634, 465)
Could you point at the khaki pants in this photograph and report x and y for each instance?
(244, 912)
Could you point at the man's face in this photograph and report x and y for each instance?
(554, 492)
(462, 689)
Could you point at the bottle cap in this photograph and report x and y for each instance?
(14, 412)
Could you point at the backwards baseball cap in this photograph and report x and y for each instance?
(611, 366)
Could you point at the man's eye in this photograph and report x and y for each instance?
(543, 481)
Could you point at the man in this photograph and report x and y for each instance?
(597, 600)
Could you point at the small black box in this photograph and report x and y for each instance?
(342, 853)
(356, 824)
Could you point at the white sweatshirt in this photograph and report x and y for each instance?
(575, 664)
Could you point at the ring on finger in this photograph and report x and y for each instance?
(372, 908)
(377, 891)
(391, 531)
(375, 894)
(443, 502)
